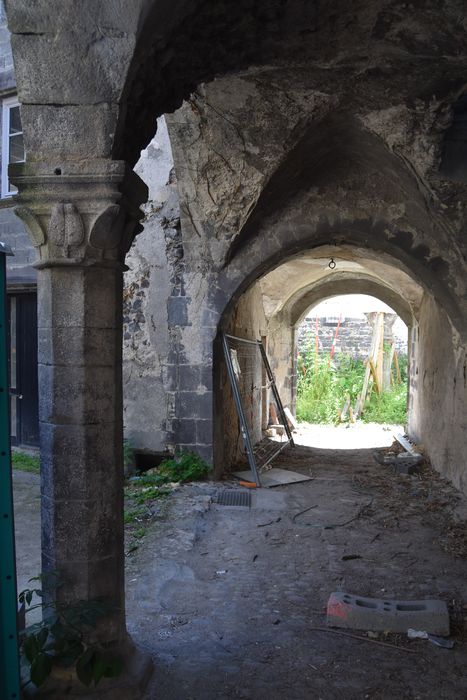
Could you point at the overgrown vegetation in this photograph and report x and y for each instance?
(63, 639)
(25, 462)
(187, 466)
(143, 491)
(324, 385)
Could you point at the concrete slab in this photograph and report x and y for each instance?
(274, 477)
(379, 615)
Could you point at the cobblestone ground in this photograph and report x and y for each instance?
(231, 601)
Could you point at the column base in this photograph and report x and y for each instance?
(130, 685)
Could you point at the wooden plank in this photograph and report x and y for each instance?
(398, 370)
(290, 418)
(406, 444)
(345, 408)
(387, 370)
(375, 374)
(378, 332)
(380, 353)
(361, 400)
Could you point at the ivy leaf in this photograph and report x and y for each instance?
(42, 637)
(31, 648)
(70, 653)
(84, 667)
(99, 667)
(114, 667)
(40, 669)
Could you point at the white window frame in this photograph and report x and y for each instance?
(7, 105)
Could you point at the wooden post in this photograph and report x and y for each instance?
(380, 353)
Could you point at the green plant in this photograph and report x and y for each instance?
(62, 639)
(149, 493)
(324, 386)
(25, 462)
(389, 407)
(134, 515)
(186, 466)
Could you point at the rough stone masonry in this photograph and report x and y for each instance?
(300, 131)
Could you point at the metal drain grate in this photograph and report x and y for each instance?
(234, 497)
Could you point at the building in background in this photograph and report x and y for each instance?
(345, 322)
(21, 276)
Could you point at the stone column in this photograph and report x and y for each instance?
(82, 219)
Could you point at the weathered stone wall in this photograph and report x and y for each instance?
(282, 357)
(248, 321)
(6, 55)
(438, 415)
(154, 263)
(12, 230)
(271, 160)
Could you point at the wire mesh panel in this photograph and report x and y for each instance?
(254, 390)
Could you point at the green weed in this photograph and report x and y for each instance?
(150, 493)
(324, 386)
(25, 462)
(389, 407)
(134, 515)
(186, 466)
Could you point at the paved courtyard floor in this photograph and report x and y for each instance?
(230, 601)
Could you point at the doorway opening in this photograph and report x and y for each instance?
(24, 411)
(343, 345)
(352, 373)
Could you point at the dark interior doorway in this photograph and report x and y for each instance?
(22, 309)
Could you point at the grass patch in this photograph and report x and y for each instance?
(135, 515)
(389, 407)
(25, 463)
(144, 489)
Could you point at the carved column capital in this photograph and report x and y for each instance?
(80, 213)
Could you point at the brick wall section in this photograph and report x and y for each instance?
(354, 337)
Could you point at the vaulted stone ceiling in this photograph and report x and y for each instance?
(290, 289)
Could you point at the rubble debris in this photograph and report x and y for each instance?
(434, 639)
(403, 463)
(406, 443)
(364, 639)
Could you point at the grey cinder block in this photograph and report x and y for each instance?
(378, 615)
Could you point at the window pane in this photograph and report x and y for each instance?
(16, 149)
(15, 121)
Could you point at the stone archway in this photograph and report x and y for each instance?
(293, 64)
